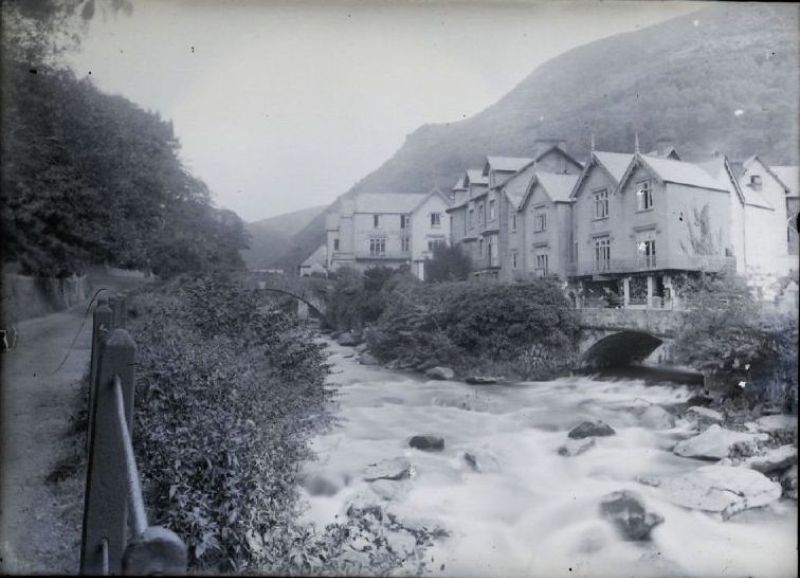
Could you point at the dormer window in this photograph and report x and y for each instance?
(436, 220)
(755, 182)
(644, 196)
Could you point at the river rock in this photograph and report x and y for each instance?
(576, 447)
(401, 542)
(715, 443)
(480, 380)
(704, 416)
(773, 461)
(390, 490)
(789, 483)
(701, 399)
(591, 428)
(361, 347)
(723, 489)
(393, 469)
(626, 511)
(366, 358)
(349, 338)
(427, 442)
(656, 417)
(774, 423)
(441, 373)
(319, 485)
(480, 461)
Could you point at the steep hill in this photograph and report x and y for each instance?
(723, 78)
(270, 237)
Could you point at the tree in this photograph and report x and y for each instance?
(448, 264)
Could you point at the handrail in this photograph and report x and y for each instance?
(112, 542)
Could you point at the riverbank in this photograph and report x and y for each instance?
(508, 502)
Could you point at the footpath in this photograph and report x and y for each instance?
(42, 475)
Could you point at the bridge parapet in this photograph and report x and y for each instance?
(657, 322)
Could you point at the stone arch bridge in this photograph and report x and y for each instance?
(311, 293)
(618, 337)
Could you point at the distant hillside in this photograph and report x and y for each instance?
(723, 78)
(270, 237)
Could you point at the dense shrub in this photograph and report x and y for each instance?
(449, 263)
(734, 338)
(528, 330)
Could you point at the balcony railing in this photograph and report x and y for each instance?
(680, 262)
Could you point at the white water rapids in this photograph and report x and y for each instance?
(534, 513)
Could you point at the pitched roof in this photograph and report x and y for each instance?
(507, 163)
(434, 191)
(558, 186)
(716, 167)
(682, 173)
(517, 186)
(388, 202)
(476, 177)
(461, 183)
(318, 257)
(615, 163)
(789, 175)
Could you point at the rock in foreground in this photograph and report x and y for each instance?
(714, 444)
(349, 338)
(367, 359)
(774, 460)
(393, 469)
(626, 511)
(656, 417)
(591, 428)
(723, 489)
(478, 380)
(441, 373)
(789, 483)
(427, 442)
(576, 447)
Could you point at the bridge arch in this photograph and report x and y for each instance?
(618, 349)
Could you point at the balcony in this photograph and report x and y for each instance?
(644, 263)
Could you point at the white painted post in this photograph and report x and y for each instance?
(626, 292)
(649, 291)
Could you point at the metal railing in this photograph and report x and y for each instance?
(643, 263)
(116, 537)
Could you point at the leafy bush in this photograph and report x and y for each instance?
(528, 328)
(448, 264)
(733, 338)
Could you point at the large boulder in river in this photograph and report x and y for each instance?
(656, 417)
(704, 416)
(481, 461)
(576, 447)
(441, 373)
(349, 338)
(427, 442)
(393, 469)
(715, 443)
(773, 460)
(723, 489)
(775, 423)
(591, 428)
(789, 483)
(626, 512)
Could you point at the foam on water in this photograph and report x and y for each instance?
(533, 512)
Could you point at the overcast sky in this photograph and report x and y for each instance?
(283, 106)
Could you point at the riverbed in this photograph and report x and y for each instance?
(529, 511)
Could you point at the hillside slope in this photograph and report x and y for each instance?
(270, 237)
(723, 78)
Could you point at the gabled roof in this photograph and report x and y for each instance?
(614, 165)
(318, 257)
(719, 168)
(668, 152)
(558, 186)
(678, 172)
(388, 202)
(509, 164)
(789, 175)
(434, 192)
(476, 177)
(517, 185)
(461, 183)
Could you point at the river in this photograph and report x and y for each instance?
(531, 511)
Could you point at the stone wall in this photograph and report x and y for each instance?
(25, 297)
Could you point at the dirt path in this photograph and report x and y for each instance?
(40, 521)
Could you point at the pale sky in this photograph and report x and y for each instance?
(281, 106)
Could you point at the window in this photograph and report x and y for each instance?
(491, 210)
(646, 253)
(481, 214)
(480, 247)
(376, 221)
(575, 252)
(540, 221)
(404, 219)
(377, 247)
(471, 217)
(436, 220)
(433, 243)
(336, 244)
(514, 259)
(602, 253)
(644, 196)
(755, 181)
(513, 222)
(601, 204)
(405, 244)
(493, 253)
(541, 264)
